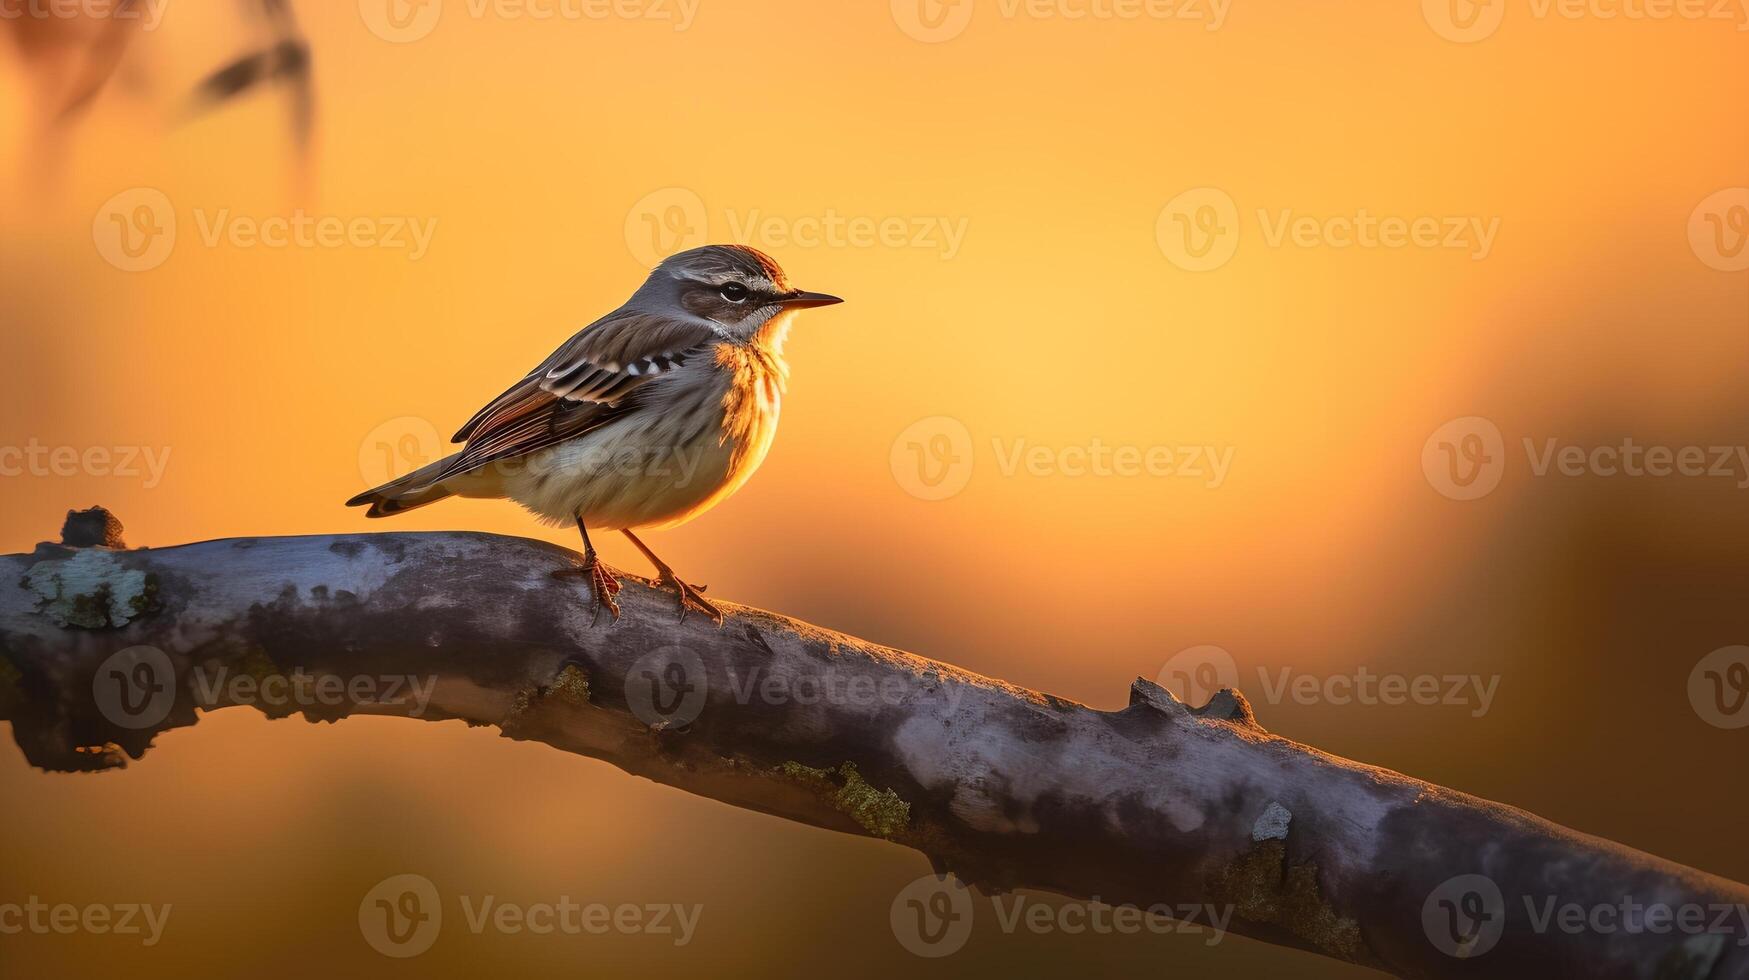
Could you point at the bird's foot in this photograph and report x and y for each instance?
(602, 582)
(690, 596)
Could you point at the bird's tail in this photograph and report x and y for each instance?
(416, 489)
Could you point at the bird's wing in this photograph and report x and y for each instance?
(584, 384)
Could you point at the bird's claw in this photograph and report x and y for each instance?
(602, 584)
(693, 596)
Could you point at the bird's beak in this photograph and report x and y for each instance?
(800, 300)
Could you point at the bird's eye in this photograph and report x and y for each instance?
(735, 293)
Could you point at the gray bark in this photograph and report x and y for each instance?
(1157, 803)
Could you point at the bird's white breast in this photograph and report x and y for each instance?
(696, 438)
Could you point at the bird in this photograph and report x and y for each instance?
(644, 419)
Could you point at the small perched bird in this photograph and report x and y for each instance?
(647, 418)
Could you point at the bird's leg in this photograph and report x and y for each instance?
(689, 594)
(601, 580)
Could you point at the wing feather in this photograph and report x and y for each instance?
(589, 381)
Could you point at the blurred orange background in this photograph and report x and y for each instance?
(552, 158)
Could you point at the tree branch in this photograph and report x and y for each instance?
(103, 648)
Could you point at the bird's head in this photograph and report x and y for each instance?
(741, 292)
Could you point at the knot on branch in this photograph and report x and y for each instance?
(570, 688)
(1229, 705)
(1226, 705)
(94, 528)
